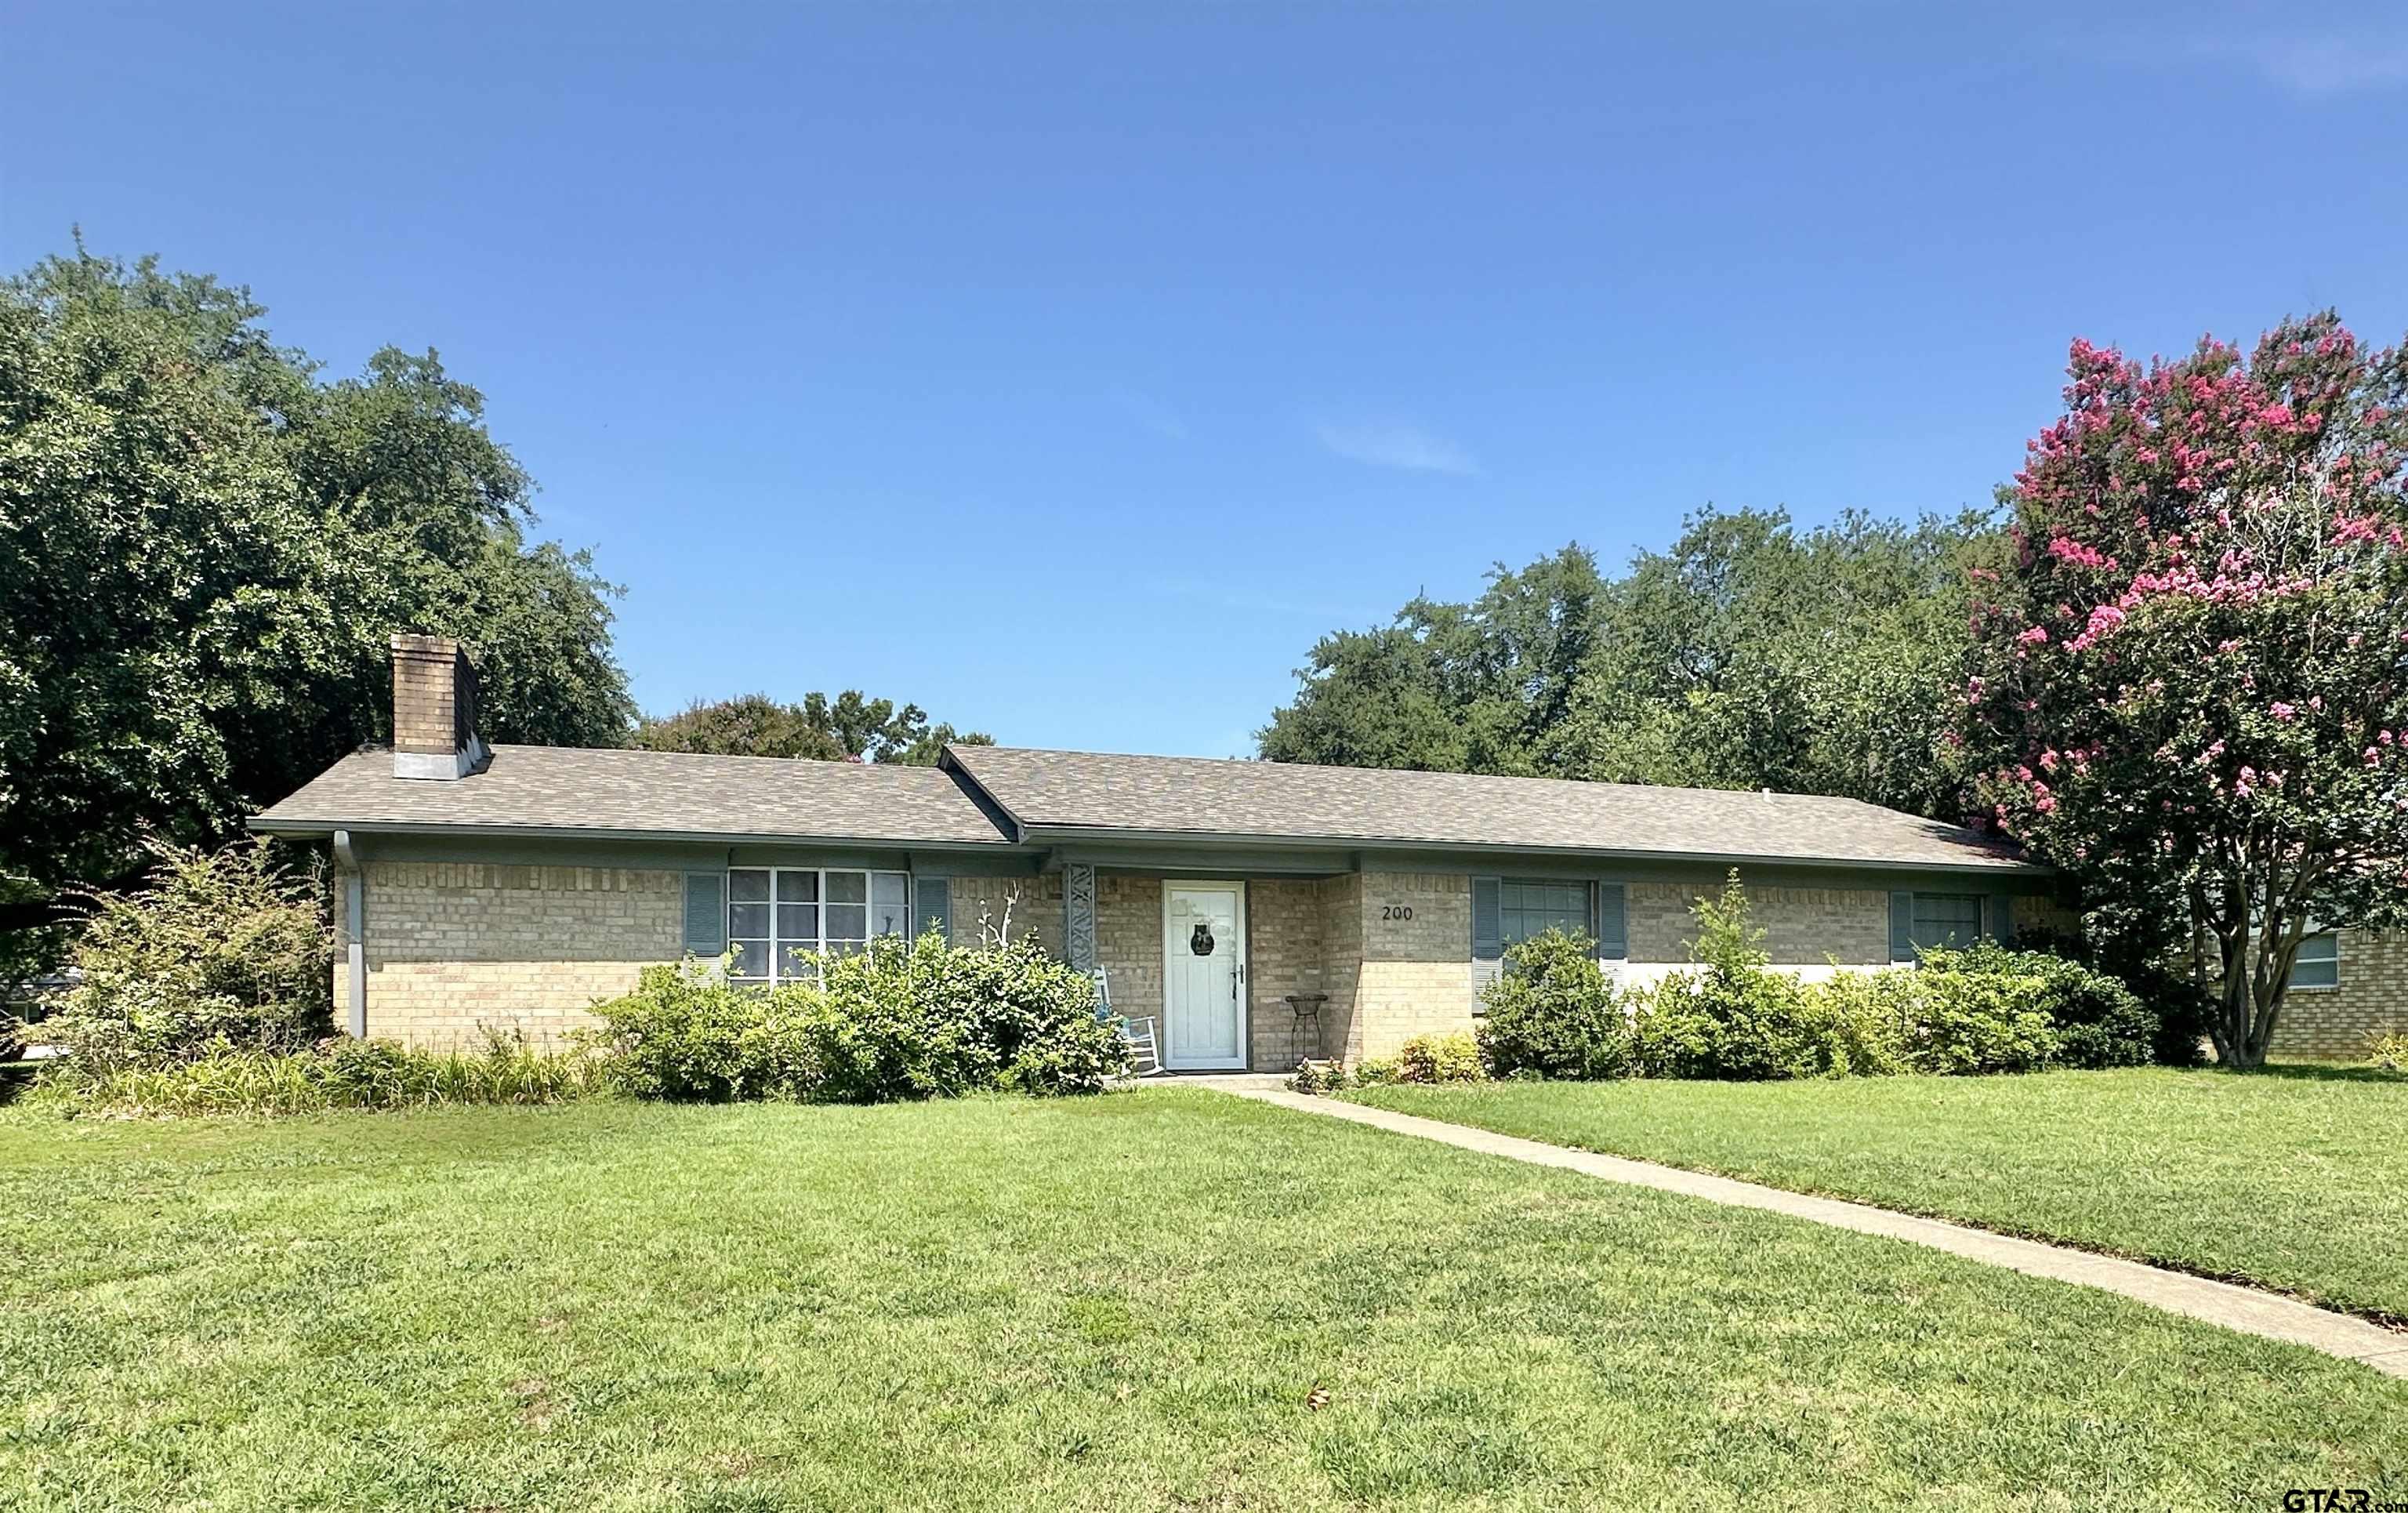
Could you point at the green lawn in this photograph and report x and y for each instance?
(2296, 1178)
(1121, 1302)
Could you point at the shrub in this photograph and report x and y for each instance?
(1318, 1077)
(902, 1020)
(2098, 1021)
(2389, 1052)
(221, 952)
(1554, 1015)
(1964, 1023)
(1426, 1059)
(1869, 1017)
(336, 1074)
(1733, 1019)
(686, 1035)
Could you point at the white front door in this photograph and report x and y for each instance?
(1204, 974)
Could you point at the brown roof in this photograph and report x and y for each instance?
(1063, 791)
(558, 789)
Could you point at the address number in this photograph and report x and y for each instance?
(1395, 911)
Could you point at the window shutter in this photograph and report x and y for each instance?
(1901, 927)
(1487, 928)
(1612, 922)
(934, 908)
(706, 915)
(2002, 919)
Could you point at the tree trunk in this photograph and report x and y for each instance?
(2235, 1004)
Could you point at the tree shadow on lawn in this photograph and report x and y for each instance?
(2319, 1071)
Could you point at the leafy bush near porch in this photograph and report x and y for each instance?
(1554, 1015)
(339, 1073)
(223, 952)
(1424, 1059)
(900, 1021)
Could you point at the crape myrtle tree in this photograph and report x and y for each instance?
(2191, 679)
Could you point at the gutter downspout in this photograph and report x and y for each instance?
(353, 934)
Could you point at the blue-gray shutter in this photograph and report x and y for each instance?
(706, 915)
(1487, 924)
(934, 908)
(1901, 927)
(2002, 919)
(1612, 922)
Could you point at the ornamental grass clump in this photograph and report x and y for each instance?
(339, 1074)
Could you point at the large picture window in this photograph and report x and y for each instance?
(779, 917)
(2318, 963)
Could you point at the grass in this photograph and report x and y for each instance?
(2294, 1177)
(1121, 1302)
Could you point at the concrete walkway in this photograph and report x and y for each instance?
(2246, 1309)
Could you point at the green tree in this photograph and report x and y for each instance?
(1450, 687)
(848, 727)
(2191, 689)
(203, 550)
(1749, 655)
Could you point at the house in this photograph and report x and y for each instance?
(1265, 913)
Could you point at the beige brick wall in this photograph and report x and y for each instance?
(1804, 927)
(1340, 908)
(1029, 907)
(1413, 977)
(1284, 954)
(2372, 1000)
(453, 948)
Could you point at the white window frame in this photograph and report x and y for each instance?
(2303, 958)
(778, 945)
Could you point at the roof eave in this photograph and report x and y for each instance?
(1052, 835)
(292, 828)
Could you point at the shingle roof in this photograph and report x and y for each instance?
(1176, 796)
(556, 789)
(1057, 795)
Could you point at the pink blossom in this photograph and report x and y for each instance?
(2281, 711)
(2034, 637)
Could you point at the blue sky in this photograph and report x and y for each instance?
(1069, 369)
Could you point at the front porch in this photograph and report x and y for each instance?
(1224, 962)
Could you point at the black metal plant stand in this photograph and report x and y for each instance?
(1307, 1009)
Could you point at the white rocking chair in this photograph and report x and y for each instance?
(1136, 1035)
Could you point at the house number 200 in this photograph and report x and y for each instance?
(1395, 911)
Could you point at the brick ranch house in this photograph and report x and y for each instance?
(1263, 913)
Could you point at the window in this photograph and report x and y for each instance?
(1528, 910)
(1947, 919)
(778, 918)
(2318, 963)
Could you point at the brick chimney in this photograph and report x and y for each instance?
(433, 709)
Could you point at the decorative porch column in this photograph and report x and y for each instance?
(1079, 916)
